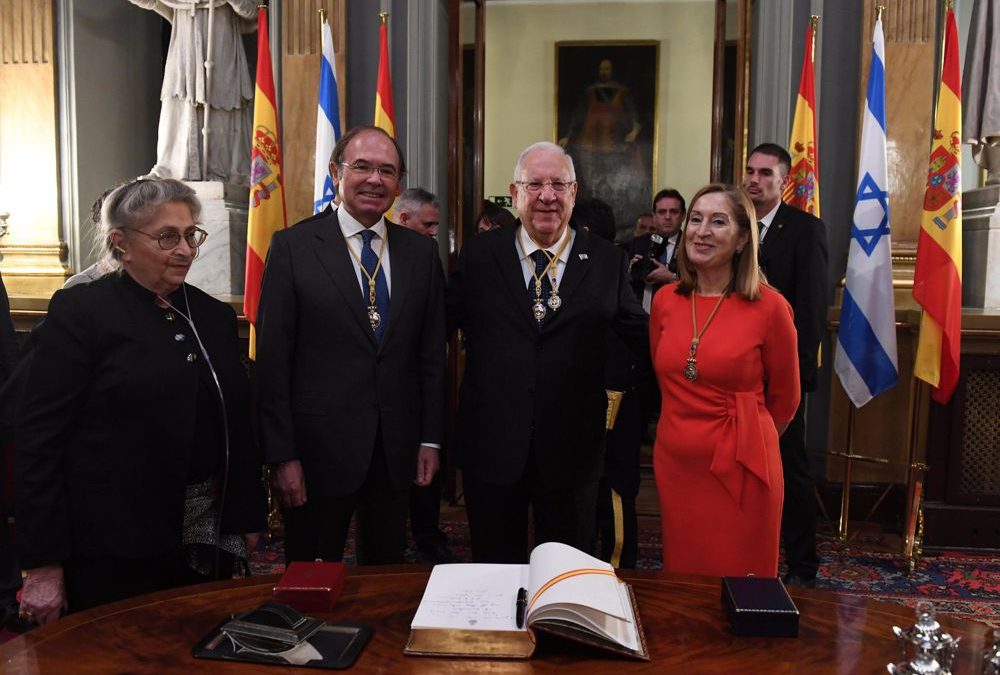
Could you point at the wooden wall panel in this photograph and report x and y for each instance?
(911, 35)
(28, 159)
(300, 59)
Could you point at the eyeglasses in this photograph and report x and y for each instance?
(534, 187)
(365, 169)
(170, 239)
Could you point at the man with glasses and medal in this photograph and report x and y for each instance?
(535, 303)
(350, 373)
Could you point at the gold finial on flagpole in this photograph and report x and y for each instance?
(814, 24)
(384, 16)
(878, 12)
(322, 14)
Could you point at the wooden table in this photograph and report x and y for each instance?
(682, 616)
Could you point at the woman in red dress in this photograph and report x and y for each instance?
(724, 351)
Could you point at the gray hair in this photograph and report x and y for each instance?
(412, 199)
(547, 146)
(130, 205)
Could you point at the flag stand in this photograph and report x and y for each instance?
(849, 457)
(913, 522)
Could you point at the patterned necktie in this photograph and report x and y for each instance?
(541, 262)
(370, 261)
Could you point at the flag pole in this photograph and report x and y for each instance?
(915, 472)
(845, 497)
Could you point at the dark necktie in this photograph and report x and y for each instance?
(664, 258)
(369, 261)
(541, 262)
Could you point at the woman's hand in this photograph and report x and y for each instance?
(43, 598)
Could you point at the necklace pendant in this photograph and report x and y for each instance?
(539, 310)
(554, 302)
(374, 318)
(691, 370)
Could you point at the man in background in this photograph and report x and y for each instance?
(668, 216)
(419, 211)
(644, 225)
(793, 255)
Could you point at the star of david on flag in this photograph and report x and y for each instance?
(869, 238)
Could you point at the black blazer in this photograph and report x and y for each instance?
(794, 258)
(106, 428)
(325, 389)
(525, 388)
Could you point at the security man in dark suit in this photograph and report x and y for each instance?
(535, 303)
(793, 255)
(351, 362)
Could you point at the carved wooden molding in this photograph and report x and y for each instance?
(300, 26)
(25, 31)
(906, 21)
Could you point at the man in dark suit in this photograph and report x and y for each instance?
(535, 303)
(793, 255)
(351, 362)
(419, 210)
(668, 216)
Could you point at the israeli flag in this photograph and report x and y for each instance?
(866, 342)
(327, 123)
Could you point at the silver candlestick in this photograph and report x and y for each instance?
(927, 650)
(991, 659)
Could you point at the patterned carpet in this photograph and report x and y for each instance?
(962, 584)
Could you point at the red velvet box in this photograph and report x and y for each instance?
(311, 586)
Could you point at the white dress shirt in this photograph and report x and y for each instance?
(764, 223)
(351, 230)
(527, 247)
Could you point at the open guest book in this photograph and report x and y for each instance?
(492, 611)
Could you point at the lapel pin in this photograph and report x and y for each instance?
(584, 256)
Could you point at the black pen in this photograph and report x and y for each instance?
(521, 606)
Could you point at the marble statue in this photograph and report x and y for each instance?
(186, 86)
(981, 81)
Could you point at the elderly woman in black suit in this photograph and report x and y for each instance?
(135, 466)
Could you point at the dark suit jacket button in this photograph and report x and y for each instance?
(192, 357)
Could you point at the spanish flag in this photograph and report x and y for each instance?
(937, 280)
(802, 188)
(385, 111)
(267, 194)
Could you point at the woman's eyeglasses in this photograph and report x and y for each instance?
(170, 239)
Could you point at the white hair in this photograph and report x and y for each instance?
(546, 146)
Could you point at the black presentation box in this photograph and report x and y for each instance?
(760, 607)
